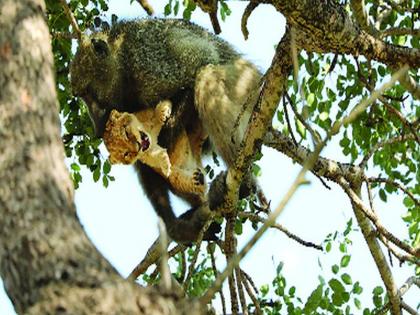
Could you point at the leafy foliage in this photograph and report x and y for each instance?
(79, 140)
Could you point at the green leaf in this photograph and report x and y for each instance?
(105, 181)
(238, 227)
(345, 260)
(378, 290)
(336, 286)
(382, 195)
(75, 167)
(292, 291)
(328, 247)
(256, 170)
(357, 289)
(337, 299)
(335, 269)
(167, 10)
(310, 98)
(96, 174)
(301, 129)
(357, 304)
(346, 278)
(323, 116)
(176, 8)
(106, 168)
(264, 289)
(313, 301)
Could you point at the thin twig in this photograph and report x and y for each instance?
(216, 272)
(408, 308)
(146, 6)
(375, 220)
(230, 251)
(395, 184)
(251, 294)
(250, 281)
(196, 252)
(239, 285)
(286, 115)
(247, 13)
(399, 256)
(254, 217)
(183, 263)
(401, 291)
(308, 127)
(151, 257)
(72, 19)
(404, 121)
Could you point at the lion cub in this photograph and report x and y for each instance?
(134, 137)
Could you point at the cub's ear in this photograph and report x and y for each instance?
(101, 47)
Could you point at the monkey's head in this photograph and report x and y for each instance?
(96, 77)
(128, 140)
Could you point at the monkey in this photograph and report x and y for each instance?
(136, 64)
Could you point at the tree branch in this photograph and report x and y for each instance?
(257, 218)
(375, 220)
(362, 214)
(400, 31)
(146, 6)
(325, 26)
(379, 145)
(73, 22)
(395, 184)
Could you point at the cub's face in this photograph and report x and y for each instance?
(127, 141)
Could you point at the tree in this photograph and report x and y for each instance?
(371, 52)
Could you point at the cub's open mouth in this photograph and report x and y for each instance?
(144, 141)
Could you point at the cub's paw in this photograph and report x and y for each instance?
(164, 110)
(198, 177)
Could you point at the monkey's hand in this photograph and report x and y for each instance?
(186, 228)
(218, 189)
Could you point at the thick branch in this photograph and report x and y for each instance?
(47, 263)
(323, 167)
(374, 247)
(325, 26)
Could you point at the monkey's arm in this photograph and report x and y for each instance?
(156, 189)
(184, 229)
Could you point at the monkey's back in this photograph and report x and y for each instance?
(162, 56)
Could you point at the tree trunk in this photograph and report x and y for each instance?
(47, 263)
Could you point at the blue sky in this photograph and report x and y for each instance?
(122, 224)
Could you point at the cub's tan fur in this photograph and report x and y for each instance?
(134, 137)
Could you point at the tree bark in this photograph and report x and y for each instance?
(47, 263)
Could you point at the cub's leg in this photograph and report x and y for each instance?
(187, 175)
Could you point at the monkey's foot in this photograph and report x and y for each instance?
(186, 228)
